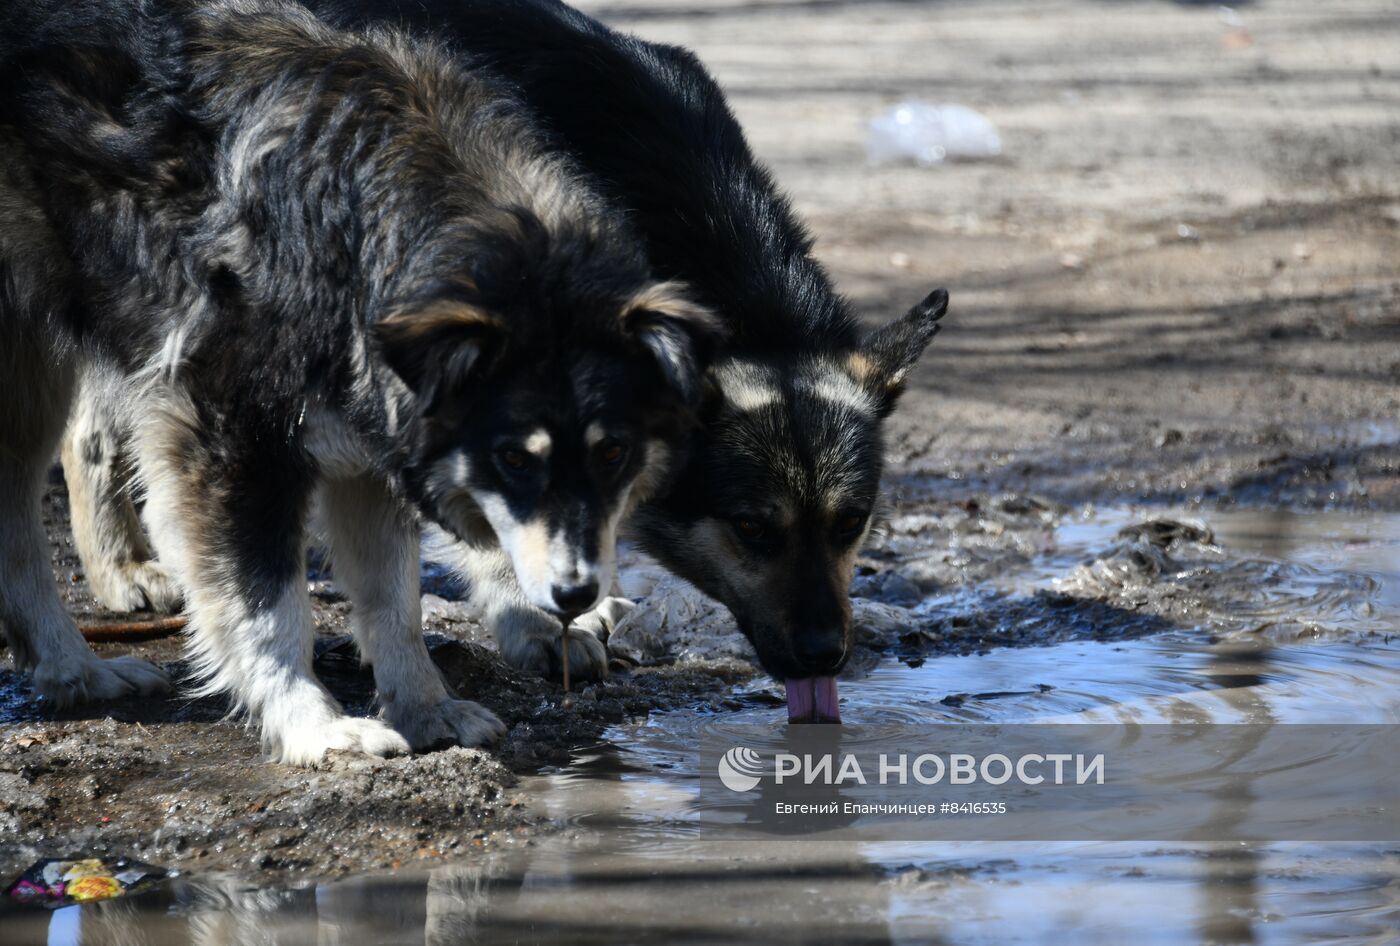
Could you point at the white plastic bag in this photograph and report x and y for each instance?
(930, 134)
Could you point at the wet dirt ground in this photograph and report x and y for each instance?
(176, 780)
(1176, 299)
(1115, 615)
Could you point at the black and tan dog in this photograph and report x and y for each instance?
(314, 265)
(782, 483)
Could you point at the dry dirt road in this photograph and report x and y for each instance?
(1182, 278)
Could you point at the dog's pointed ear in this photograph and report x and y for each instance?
(437, 347)
(882, 363)
(681, 335)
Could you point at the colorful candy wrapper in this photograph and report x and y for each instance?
(60, 882)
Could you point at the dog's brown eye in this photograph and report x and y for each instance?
(849, 524)
(513, 458)
(612, 452)
(749, 530)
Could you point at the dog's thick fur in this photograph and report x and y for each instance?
(310, 265)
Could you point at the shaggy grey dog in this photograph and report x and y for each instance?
(314, 265)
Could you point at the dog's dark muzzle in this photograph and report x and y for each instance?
(820, 651)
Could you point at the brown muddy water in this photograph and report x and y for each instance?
(1301, 624)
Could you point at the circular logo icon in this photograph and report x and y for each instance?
(740, 769)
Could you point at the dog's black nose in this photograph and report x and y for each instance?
(575, 599)
(820, 651)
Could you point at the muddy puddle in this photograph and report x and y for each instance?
(1227, 617)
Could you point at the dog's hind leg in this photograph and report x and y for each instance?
(43, 638)
(118, 561)
(374, 549)
(228, 507)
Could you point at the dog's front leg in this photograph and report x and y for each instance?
(528, 637)
(228, 511)
(374, 548)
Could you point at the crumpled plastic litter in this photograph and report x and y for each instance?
(58, 882)
(930, 134)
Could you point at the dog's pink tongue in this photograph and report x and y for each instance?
(813, 700)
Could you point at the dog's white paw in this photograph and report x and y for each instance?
(307, 744)
(137, 586)
(531, 640)
(588, 657)
(446, 721)
(87, 678)
(604, 619)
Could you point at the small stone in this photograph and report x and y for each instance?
(440, 609)
(896, 589)
(901, 260)
(1237, 39)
